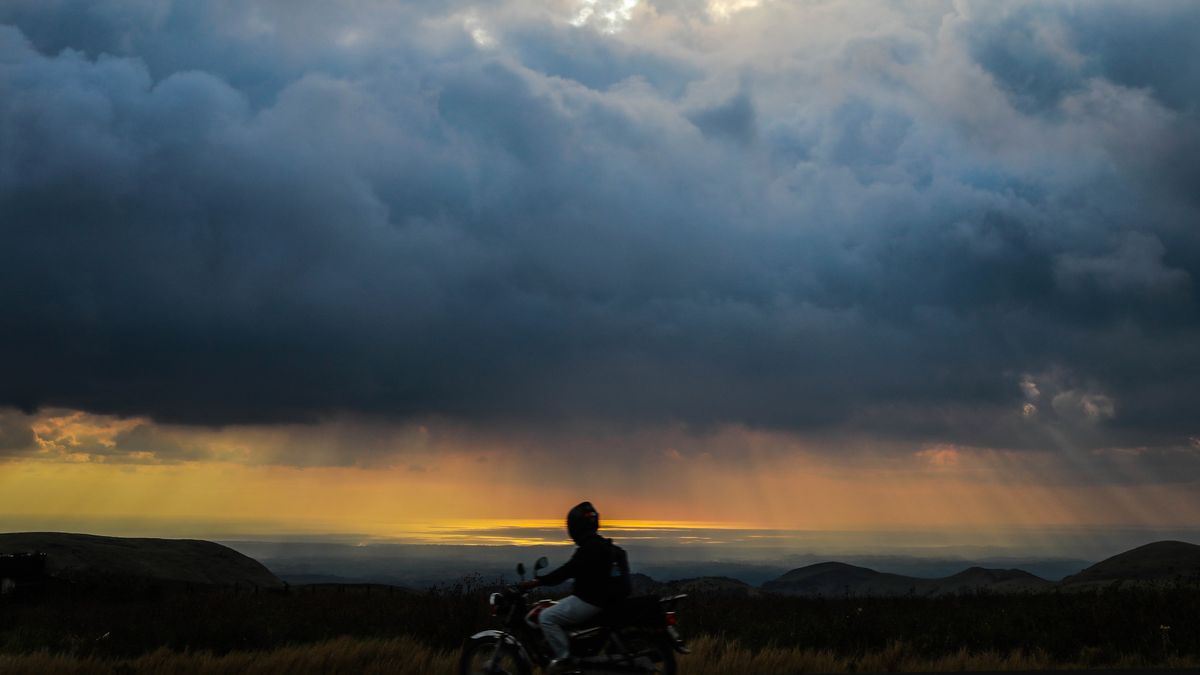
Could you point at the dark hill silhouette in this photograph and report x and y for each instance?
(723, 586)
(994, 580)
(84, 558)
(1159, 563)
(709, 586)
(642, 584)
(829, 571)
(834, 579)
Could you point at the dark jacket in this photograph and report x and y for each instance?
(600, 570)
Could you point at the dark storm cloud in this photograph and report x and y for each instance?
(278, 212)
(1041, 54)
(732, 119)
(16, 436)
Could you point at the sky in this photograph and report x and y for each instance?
(388, 268)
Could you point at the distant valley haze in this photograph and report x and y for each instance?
(424, 555)
(88, 561)
(739, 554)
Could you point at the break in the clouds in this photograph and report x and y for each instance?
(934, 222)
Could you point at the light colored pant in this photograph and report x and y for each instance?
(570, 611)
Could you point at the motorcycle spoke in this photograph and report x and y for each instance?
(482, 659)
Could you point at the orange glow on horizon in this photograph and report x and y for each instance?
(445, 503)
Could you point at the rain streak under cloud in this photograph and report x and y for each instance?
(960, 234)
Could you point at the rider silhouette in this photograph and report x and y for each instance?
(601, 573)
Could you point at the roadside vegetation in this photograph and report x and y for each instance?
(377, 629)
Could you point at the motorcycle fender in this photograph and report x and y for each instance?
(508, 639)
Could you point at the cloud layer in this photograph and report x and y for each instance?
(960, 222)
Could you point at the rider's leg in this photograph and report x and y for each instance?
(570, 611)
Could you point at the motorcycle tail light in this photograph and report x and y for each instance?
(671, 619)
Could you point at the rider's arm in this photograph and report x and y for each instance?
(567, 571)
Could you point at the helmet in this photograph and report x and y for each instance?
(582, 521)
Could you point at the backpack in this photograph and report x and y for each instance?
(619, 585)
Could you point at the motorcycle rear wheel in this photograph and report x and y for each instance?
(477, 653)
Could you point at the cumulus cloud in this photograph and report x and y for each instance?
(813, 217)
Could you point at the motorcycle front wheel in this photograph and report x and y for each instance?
(477, 658)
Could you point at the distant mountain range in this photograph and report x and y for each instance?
(81, 557)
(1160, 563)
(834, 579)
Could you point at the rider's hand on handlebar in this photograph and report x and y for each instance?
(529, 585)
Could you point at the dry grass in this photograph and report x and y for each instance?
(399, 656)
(715, 657)
(405, 656)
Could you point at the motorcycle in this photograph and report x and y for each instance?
(638, 636)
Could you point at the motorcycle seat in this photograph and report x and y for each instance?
(633, 611)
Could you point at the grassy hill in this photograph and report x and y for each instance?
(1159, 563)
(86, 557)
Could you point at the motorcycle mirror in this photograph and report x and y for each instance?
(541, 563)
(521, 570)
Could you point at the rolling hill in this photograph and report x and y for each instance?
(701, 586)
(836, 579)
(712, 586)
(992, 580)
(86, 558)
(1159, 563)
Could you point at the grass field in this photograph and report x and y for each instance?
(367, 630)
(405, 656)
